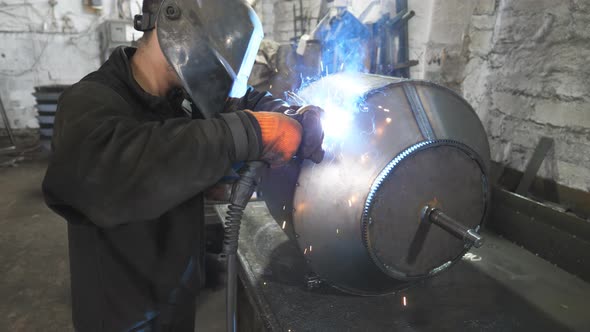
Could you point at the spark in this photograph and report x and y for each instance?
(337, 231)
(381, 107)
(284, 224)
(284, 207)
(305, 251)
(310, 248)
(299, 207)
(264, 283)
(388, 120)
(364, 158)
(339, 105)
(404, 301)
(386, 109)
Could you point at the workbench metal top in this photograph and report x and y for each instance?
(499, 287)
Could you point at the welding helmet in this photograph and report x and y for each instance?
(211, 44)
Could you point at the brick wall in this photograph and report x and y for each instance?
(41, 45)
(277, 17)
(523, 65)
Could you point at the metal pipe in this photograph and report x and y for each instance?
(403, 50)
(294, 22)
(455, 228)
(400, 17)
(8, 129)
(301, 17)
(231, 293)
(408, 15)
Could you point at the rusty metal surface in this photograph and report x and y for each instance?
(533, 165)
(559, 237)
(499, 287)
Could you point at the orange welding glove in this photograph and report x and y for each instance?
(313, 134)
(281, 137)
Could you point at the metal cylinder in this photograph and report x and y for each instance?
(393, 147)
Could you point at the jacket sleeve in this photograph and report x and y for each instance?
(258, 102)
(114, 168)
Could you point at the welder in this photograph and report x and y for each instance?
(136, 145)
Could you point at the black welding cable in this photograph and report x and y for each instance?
(242, 190)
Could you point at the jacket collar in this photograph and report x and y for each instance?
(120, 65)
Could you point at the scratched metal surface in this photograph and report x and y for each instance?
(499, 287)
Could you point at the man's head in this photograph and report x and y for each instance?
(210, 44)
(151, 69)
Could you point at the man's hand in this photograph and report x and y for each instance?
(281, 137)
(313, 134)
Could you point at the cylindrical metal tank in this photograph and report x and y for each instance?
(397, 150)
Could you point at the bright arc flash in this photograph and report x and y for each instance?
(340, 100)
(336, 122)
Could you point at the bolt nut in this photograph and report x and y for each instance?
(172, 12)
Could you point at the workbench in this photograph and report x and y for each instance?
(498, 287)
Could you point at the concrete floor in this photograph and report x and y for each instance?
(34, 272)
(34, 261)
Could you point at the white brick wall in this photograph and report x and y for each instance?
(522, 64)
(38, 48)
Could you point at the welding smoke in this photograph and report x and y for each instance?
(344, 48)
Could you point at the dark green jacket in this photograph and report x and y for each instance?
(127, 173)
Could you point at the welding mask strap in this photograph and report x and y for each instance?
(144, 22)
